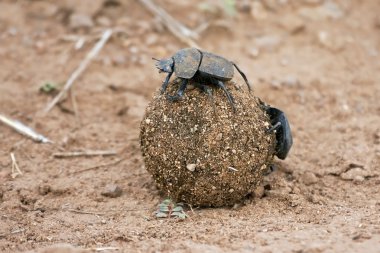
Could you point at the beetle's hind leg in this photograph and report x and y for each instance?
(243, 75)
(228, 94)
(207, 90)
(180, 91)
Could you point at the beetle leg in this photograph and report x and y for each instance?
(228, 94)
(166, 82)
(274, 127)
(242, 75)
(180, 91)
(207, 90)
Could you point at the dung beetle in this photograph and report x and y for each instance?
(280, 124)
(194, 64)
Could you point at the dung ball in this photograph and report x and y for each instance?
(202, 152)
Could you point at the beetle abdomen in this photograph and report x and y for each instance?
(216, 66)
(186, 62)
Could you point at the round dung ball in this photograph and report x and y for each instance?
(202, 152)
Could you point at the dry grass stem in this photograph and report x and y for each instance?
(82, 66)
(85, 153)
(179, 30)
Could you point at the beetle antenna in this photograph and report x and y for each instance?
(155, 59)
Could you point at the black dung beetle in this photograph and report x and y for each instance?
(281, 125)
(192, 63)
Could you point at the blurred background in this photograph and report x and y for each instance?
(317, 60)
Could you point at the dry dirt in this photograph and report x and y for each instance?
(316, 60)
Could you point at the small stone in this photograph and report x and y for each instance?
(327, 41)
(112, 191)
(259, 192)
(355, 173)
(151, 39)
(191, 167)
(219, 137)
(80, 21)
(44, 189)
(292, 23)
(253, 52)
(309, 178)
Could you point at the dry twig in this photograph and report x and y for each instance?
(179, 30)
(85, 153)
(100, 166)
(15, 169)
(83, 65)
(23, 129)
(84, 212)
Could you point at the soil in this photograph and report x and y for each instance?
(316, 60)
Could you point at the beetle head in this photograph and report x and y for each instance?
(165, 65)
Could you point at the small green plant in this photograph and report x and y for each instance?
(49, 88)
(169, 208)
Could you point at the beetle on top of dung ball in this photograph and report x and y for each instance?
(210, 69)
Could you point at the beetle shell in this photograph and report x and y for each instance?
(215, 66)
(283, 135)
(186, 62)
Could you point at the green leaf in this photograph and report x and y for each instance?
(161, 215)
(48, 88)
(178, 209)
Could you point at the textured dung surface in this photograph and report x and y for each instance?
(206, 157)
(186, 62)
(216, 66)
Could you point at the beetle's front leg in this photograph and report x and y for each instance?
(166, 82)
(180, 91)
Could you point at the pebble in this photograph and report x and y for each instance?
(253, 52)
(332, 43)
(292, 24)
(191, 167)
(309, 178)
(259, 192)
(357, 174)
(80, 21)
(112, 191)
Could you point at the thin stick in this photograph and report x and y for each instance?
(23, 129)
(85, 153)
(179, 30)
(74, 104)
(15, 169)
(83, 65)
(100, 166)
(84, 212)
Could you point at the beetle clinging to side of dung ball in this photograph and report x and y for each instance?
(207, 68)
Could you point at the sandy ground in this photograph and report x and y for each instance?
(316, 60)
